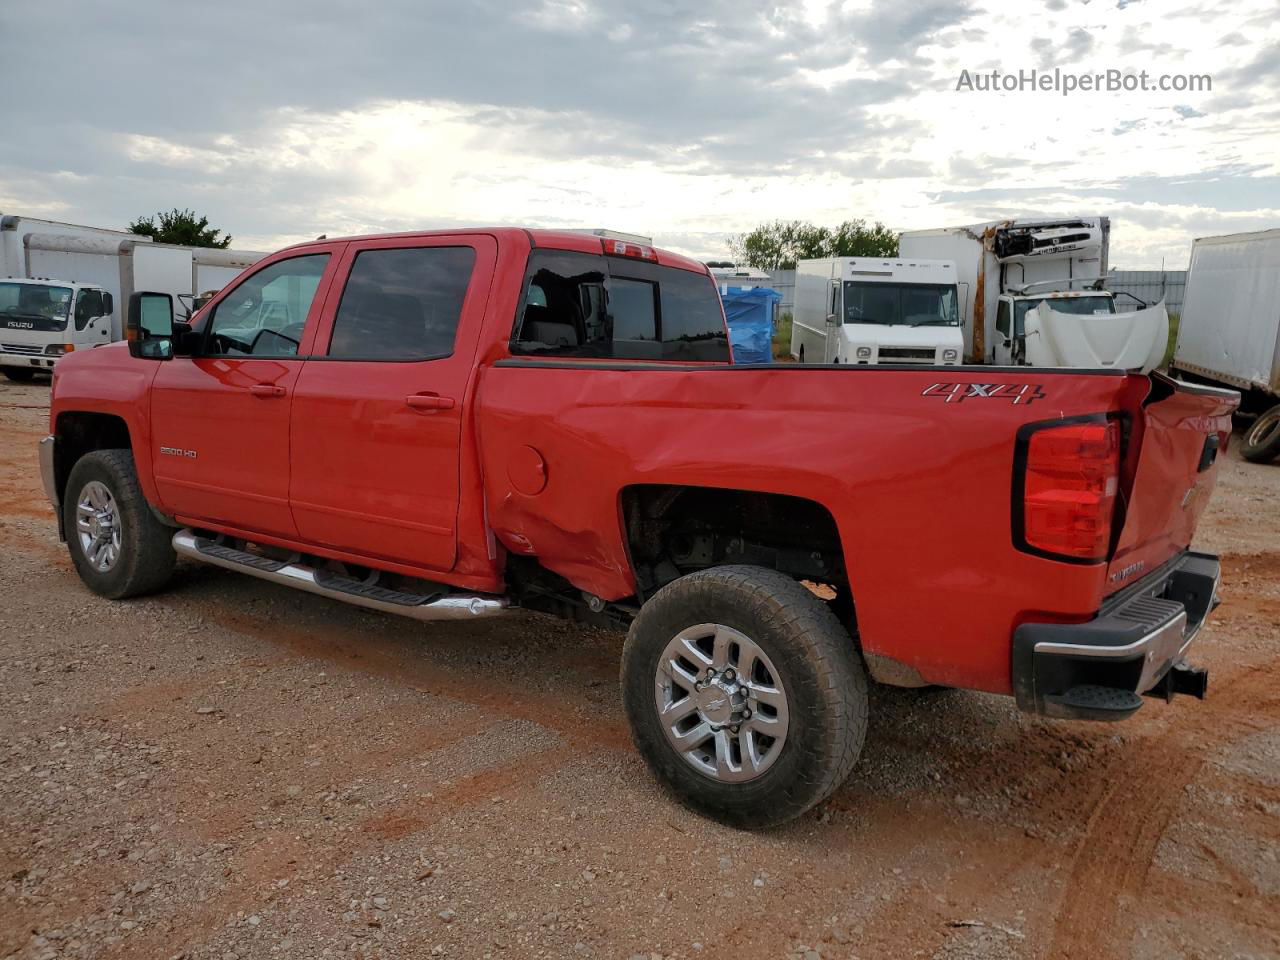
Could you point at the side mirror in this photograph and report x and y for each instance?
(150, 326)
(108, 304)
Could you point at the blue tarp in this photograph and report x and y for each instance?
(749, 311)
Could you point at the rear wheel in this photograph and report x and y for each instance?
(118, 546)
(20, 374)
(1262, 441)
(745, 694)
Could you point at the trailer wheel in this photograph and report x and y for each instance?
(1262, 442)
(118, 546)
(745, 694)
(20, 374)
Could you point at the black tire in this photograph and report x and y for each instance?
(19, 374)
(818, 667)
(1262, 440)
(146, 558)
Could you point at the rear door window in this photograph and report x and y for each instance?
(589, 306)
(402, 304)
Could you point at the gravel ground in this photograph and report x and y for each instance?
(235, 770)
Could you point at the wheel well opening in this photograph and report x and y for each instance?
(81, 433)
(674, 530)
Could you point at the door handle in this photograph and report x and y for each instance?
(267, 390)
(429, 401)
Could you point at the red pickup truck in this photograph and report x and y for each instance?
(451, 425)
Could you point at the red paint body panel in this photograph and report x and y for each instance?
(1169, 492)
(534, 456)
(371, 473)
(919, 489)
(107, 380)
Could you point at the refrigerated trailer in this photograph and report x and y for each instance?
(1034, 294)
(1229, 333)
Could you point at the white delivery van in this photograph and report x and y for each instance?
(865, 310)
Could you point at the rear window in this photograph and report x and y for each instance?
(582, 305)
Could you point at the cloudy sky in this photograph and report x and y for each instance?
(687, 121)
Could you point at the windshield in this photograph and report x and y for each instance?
(1080, 306)
(44, 306)
(912, 304)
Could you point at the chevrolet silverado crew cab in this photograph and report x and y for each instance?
(452, 425)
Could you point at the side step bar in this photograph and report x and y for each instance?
(441, 606)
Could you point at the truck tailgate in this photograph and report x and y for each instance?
(1178, 431)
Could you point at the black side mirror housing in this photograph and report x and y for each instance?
(108, 304)
(150, 326)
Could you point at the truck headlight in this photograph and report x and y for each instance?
(57, 349)
(949, 356)
(864, 353)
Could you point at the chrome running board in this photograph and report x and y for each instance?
(441, 606)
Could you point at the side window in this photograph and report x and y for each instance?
(1002, 317)
(402, 304)
(88, 306)
(266, 314)
(589, 306)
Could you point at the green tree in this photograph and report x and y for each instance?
(180, 227)
(778, 245)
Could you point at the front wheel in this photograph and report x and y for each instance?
(20, 374)
(745, 695)
(118, 546)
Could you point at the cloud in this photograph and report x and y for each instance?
(687, 121)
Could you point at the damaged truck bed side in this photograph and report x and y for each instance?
(452, 425)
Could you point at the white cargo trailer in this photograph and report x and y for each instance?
(40, 259)
(1229, 333)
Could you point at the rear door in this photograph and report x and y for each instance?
(379, 408)
(1181, 430)
(220, 420)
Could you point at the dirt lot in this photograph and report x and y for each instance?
(235, 770)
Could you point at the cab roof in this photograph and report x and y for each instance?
(570, 240)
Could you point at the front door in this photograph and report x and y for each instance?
(378, 411)
(220, 420)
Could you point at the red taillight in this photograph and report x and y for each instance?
(1069, 484)
(621, 248)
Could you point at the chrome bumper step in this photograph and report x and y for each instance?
(436, 606)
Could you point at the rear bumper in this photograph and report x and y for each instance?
(1135, 645)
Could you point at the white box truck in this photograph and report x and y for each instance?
(1033, 294)
(869, 310)
(1229, 333)
(56, 275)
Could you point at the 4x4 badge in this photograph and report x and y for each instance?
(1013, 392)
